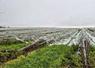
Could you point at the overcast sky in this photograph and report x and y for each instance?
(47, 12)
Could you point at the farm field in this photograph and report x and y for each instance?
(47, 48)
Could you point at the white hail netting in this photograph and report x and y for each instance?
(69, 38)
(77, 38)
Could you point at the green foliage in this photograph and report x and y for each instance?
(12, 46)
(92, 57)
(57, 56)
(15, 46)
(9, 52)
(6, 55)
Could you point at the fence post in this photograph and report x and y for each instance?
(84, 50)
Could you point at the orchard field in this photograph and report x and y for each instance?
(61, 48)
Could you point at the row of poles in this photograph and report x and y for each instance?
(84, 42)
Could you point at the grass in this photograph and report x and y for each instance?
(57, 56)
(92, 57)
(9, 52)
(14, 46)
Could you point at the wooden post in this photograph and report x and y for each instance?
(84, 50)
(36, 45)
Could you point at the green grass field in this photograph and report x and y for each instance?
(56, 56)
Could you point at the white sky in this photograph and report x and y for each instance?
(47, 12)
